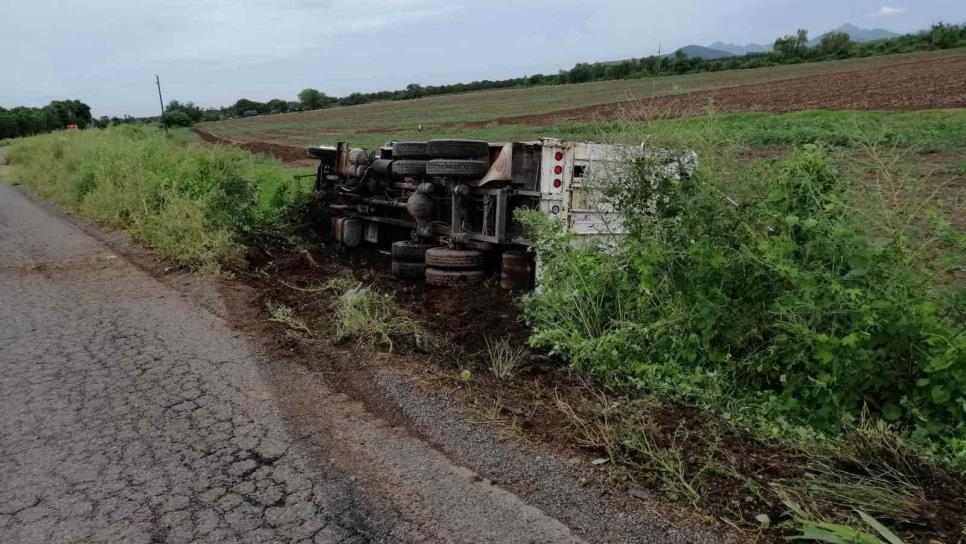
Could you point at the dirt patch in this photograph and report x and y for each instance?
(285, 153)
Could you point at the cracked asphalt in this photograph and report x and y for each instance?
(129, 415)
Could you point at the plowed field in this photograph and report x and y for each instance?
(900, 82)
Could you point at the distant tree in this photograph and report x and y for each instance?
(833, 43)
(8, 125)
(188, 108)
(620, 70)
(311, 99)
(944, 36)
(415, 90)
(243, 105)
(294, 106)
(177, 118)
(276, 105)
(354, 99)
(581, 73)
(792, 46)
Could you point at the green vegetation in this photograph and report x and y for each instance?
(192, 204)
(371, 318)
(283, 315)
(800, 298)
(788, 297)
(57, 115)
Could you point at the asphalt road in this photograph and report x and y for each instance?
(130, 414)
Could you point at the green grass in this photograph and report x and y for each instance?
(190, 203)
(404, 117)
(373, 319)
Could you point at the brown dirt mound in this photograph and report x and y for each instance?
(284, 153)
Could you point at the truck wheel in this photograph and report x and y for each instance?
(454, 278)
(456, 168)
(409, 150)
(408, 271)
(446, 258)
(457, 149)
(408, 168)
(409, 251)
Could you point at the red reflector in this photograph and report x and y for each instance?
(557, 183)
(558, 170)
(558, 156)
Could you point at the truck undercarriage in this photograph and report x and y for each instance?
(446, 206)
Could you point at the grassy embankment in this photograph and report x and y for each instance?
(190, 203)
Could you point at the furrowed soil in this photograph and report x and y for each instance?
(905, 87)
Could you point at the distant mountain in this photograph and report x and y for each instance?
(858, 35)
(708, 53)
(736, 49)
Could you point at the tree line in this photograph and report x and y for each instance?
(59, 114)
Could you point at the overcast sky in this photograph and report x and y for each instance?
(212, 52)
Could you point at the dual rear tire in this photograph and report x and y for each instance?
(408, 260)
(454, 267)
(440, 158)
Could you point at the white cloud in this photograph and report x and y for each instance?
(886, 11)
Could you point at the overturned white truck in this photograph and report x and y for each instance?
(444, 208)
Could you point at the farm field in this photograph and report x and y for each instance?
(899, 82)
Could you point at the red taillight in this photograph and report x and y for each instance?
(557, 183)
(558, 170)
(558, 156)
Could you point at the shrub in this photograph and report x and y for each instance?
(944, 36)
(786, 297)
(177, 118)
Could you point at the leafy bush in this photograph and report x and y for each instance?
(177, 118)
(944, 36)
(778, 295)
(191, 204)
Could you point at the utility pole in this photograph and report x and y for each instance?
(164, 122)
(659, 59)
